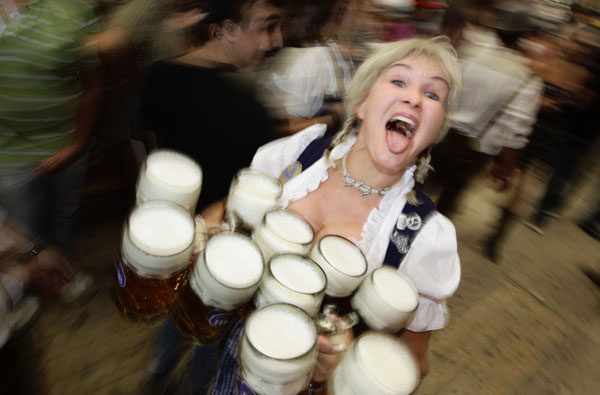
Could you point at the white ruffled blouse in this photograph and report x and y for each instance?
(432, 262)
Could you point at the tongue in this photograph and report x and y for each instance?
(396, 141)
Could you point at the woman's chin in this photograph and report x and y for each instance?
(392, 164)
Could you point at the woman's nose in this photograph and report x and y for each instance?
(412, 96)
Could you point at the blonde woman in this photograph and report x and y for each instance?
(360, 183)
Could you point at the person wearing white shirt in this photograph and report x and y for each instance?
(497, 108)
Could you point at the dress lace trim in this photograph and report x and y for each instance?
(310, 179)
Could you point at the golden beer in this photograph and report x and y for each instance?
(155, 252)
(145, 298)
(225, 276)
(198, 323)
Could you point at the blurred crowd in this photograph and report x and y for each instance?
(217, 79)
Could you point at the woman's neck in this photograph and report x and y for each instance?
(360, 166)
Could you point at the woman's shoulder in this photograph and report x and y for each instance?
(432, 261)
(273, 157)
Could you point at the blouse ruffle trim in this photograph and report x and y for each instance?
(310, 179)
(378, 216)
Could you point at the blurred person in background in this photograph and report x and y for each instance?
(50, 98)
(307, 81)
(24, 268)
(453, 24)
(398, 19)
(380, 21)
(497, 106)
(196, 105)
(564, 91)
(580, 54)
(138, 33)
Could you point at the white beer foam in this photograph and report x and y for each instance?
(259, 184)
(298, 273)
(281, 332)
(234, 260)
(395, 288)
(289, 227)
(173, 171)
(160, 230)
(252, 194)
(389, 362)
(344, 255)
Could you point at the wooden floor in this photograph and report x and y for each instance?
(529, 325)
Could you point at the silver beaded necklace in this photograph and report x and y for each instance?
(363, 188)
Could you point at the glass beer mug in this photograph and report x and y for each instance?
(293, 279)
(375, 364)
(386, 300)
(278, 351)
(344, 265)
(225, 276)
(156, 249)
(172, 176)
(283, 231)
(251, 195)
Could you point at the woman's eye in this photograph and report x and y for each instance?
(432, 96)
(399, 83)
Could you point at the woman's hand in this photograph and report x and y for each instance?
(418, 343)
(213, 214)
(330, 353)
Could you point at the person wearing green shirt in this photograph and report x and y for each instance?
(51, 86)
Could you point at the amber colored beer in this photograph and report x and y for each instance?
(225, 276)
(198, 323)
(145, 298)
(155, 252)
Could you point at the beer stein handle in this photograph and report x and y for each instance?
(231, 221)
(222, 227)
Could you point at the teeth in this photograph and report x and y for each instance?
(403, 119)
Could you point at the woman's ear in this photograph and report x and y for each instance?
(360, 111)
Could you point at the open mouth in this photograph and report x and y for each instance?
(402, 125)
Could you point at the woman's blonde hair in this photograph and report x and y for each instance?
(437, 48)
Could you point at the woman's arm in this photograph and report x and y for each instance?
(418, 342)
